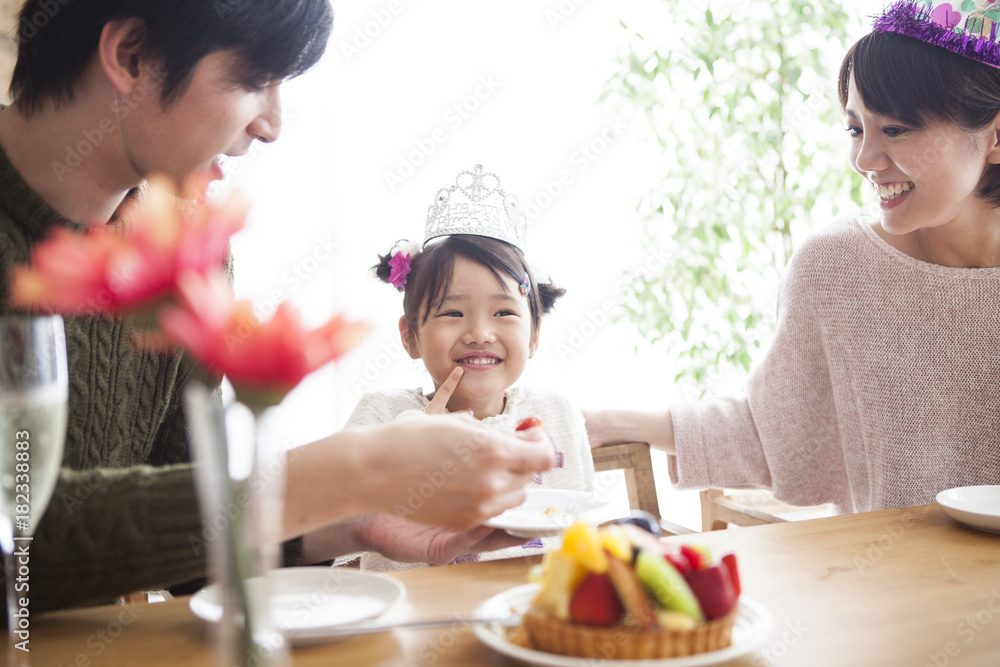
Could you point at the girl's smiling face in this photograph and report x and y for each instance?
(924, 176)
(482, 325)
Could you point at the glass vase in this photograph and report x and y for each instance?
(240, 480)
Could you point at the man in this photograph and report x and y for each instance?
(106, 92)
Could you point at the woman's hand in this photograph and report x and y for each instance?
(612, 427)
(439, 404)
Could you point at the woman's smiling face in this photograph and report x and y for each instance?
(924, 177)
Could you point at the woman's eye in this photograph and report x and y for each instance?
(853, 130)
(451, 313)
(893, 131)
(503, 313)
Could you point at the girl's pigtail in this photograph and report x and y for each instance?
(547, 295)
(383, 270)
(394, 267)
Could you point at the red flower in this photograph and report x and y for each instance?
(263, 360)
(123, 268)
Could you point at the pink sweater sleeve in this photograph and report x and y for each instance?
(880, 390)
(784, 434)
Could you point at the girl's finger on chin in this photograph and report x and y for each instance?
(447, 388)
(451, 382)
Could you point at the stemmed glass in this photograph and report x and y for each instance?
(34, 392)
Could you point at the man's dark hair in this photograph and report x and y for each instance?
(273, 39)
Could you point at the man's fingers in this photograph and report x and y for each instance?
(507, 499)
(497, 539)
(533, 453)
(439, 403)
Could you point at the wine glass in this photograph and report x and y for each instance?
(34, 392)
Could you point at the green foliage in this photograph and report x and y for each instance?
(743, 106)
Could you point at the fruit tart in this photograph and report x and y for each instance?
(618, 593)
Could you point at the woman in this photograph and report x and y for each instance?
(882, 385)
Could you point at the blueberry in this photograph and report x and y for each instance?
(644, 520)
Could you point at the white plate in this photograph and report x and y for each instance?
(751, 632)
(309, 601)
(547, 512)
(977, 506)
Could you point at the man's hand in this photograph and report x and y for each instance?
(448, 470)
(451, 470)
(408, 542)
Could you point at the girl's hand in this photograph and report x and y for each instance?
(439, 404)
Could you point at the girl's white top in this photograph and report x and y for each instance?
(563, 422)
(882, 387)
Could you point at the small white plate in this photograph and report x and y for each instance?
(547, 512)
(751, 632)
(309, 601)
(976, 506)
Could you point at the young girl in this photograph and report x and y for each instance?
(472, 311)
(882, 386)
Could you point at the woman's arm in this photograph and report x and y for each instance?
(611, 427)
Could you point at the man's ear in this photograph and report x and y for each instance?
(409, 344)
(118, 52)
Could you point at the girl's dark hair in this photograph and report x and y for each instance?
(914, 82)
(431, 270)
(273, 39)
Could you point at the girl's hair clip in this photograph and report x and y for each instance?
(525, 286)
(400, 265)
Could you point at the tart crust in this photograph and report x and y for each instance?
(550, 634)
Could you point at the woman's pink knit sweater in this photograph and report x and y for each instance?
(882, 387)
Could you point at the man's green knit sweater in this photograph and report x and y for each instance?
(124, 516)
(124, 511)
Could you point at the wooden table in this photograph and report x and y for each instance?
(898, 587)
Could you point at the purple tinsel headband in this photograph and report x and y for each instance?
(969, 30)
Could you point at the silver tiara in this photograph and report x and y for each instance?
(477, 205)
